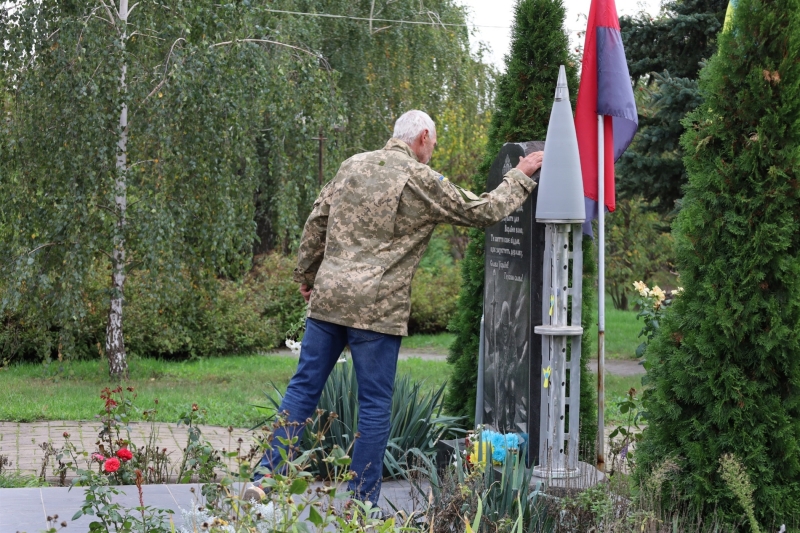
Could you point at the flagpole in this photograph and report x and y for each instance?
(601, 298)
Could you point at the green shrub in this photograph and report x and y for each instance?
(217, 317)
(25, 337)
(434, 289)
(184, 317)
(213, 318)
(274, 291)
(434, 297)
(28, 334)
(637, 249)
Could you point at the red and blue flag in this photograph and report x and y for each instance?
(605, 89)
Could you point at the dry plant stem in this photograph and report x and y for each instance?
(738, 481)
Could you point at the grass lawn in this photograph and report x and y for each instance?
(438, 343)
(12, 480)
(227, 387)
(617, 388)
(230, 387)
(622, 336)
(622, 333)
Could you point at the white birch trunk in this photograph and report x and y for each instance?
(115, 345)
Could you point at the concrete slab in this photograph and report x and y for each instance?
(26, 510)
(21, 509)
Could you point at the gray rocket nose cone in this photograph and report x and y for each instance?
(560, 198)
(562, 92)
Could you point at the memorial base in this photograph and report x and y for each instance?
(583, 477)
(561, 473)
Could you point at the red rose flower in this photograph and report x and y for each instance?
(111, 466)
(124, 454)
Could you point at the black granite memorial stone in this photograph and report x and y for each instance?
(512, 307)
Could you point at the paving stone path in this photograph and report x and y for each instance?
(21, 442)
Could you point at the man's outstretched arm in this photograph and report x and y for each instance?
(451, 204)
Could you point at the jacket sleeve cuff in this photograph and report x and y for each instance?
(301, 276)
(520, 177)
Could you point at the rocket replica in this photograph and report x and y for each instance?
(561, 207)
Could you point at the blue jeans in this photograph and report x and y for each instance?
(374, 357)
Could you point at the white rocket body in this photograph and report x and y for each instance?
(560, 206)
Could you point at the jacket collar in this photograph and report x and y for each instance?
(396, 145)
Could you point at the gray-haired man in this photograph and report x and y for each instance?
(360, 248)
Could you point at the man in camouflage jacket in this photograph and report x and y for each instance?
(360, 248)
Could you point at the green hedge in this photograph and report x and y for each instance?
(220, 318)
(192, 316)
(189, 317)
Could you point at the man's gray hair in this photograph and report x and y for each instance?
(411, 124)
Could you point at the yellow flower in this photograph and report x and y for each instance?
(658, 294)
(641, 288)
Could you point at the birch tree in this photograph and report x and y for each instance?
(131, 143)
(115, 342)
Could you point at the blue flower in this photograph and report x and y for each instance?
(501, 443)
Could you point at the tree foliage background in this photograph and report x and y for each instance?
(525, 95)
(385, 69)
(724, 370)
(223, 101)
(637, 249)
(665, 54)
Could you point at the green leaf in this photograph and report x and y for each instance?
(314, 516)
(298, 486)
(641, 349)
(478, 515)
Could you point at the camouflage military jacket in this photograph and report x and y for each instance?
(370, 226)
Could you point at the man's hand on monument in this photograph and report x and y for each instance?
(530, 163)
(305, 292)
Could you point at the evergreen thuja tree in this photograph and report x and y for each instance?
(724, 370)
(522, 112)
